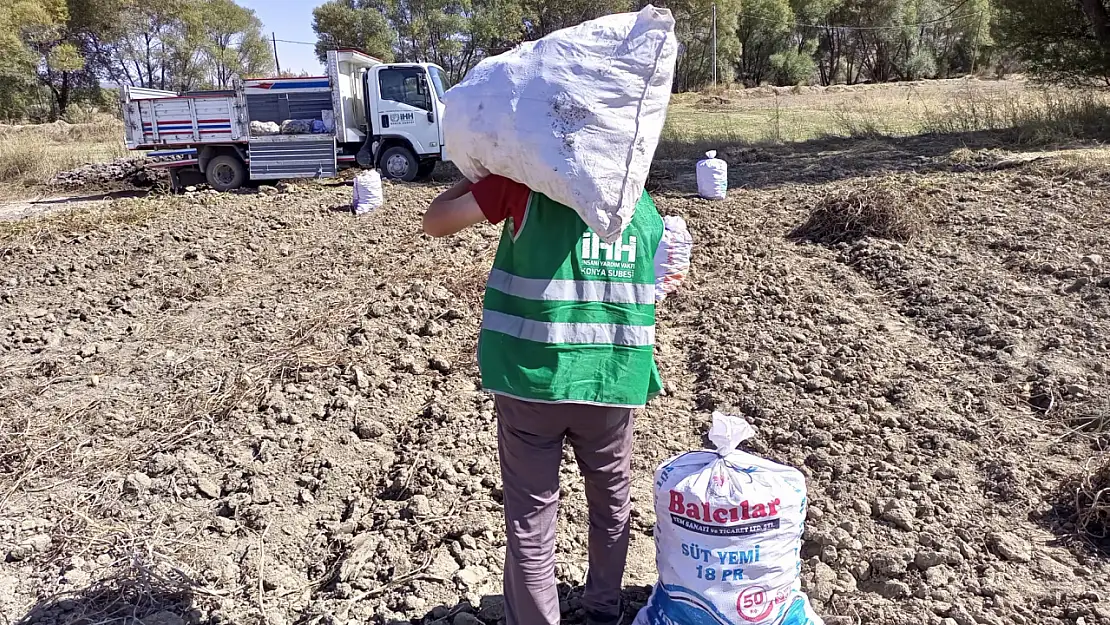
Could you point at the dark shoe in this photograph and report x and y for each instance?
(594, 618)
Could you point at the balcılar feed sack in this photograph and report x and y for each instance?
(576, 115)
(728, 536)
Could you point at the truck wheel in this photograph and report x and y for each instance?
(399, 163)
(225, 173)
(425, 170)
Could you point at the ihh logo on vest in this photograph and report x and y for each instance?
(613, 260)
(593, 248)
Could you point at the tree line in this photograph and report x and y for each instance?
(56, 52)
(779, 42)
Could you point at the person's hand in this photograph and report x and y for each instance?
(455, 209)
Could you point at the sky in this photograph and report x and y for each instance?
(290, 20)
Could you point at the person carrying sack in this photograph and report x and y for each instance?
(567, 349)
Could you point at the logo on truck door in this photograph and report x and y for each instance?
(400, 119)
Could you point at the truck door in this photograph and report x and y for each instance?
(406, 108)
(440, 86)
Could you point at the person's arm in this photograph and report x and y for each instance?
(455, 209)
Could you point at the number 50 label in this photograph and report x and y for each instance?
(754, 604)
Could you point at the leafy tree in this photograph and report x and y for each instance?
(139, 56)
(53, 38)
(543, 17)
(347, 24)
(880, 27)
(432, 31)
(820, 20)
(495, 27)
(766, 28)
(966, 38)
(185, 44)
(17, 61)
(161, 46)
(793, 66)
(454, 34)
(694, 30)
(1066, 41)
(233, 41)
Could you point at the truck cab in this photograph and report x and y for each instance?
(395, 112)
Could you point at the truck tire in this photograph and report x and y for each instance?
(399, 163)
(225, 173)
(425, 170)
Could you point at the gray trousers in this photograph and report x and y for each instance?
(530, 444)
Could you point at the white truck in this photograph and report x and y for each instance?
(364, 112)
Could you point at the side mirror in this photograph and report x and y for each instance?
(431, 118)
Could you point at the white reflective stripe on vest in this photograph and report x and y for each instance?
(571, 290)
(573, 333)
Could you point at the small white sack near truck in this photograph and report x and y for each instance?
(363, 113)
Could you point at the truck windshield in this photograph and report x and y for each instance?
(439, 81)
(405, 85)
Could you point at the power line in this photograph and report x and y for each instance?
(303, 43)
(955, 8)
(714, 45)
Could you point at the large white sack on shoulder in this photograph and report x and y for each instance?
(368, 194)
(712, 177)
(728, 533)
(576, 115)
(672, 257)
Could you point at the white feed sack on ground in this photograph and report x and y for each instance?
(368, 195)
(728, 535)
(576, 115)
(712, 177)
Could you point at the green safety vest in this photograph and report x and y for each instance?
(568, 318)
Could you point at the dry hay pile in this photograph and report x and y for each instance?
(878, 209)
(966, 158)
(711, 101)
(1085, 503)
(140, 592)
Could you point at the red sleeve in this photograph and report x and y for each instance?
(500, 198)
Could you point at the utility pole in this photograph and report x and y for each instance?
(273, 37)
(975, 54)
(714, 45)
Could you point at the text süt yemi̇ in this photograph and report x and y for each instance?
(721, 558)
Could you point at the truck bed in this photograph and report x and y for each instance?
(156, 119)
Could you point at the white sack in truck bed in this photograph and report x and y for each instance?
(576, 115)
(262, 129)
